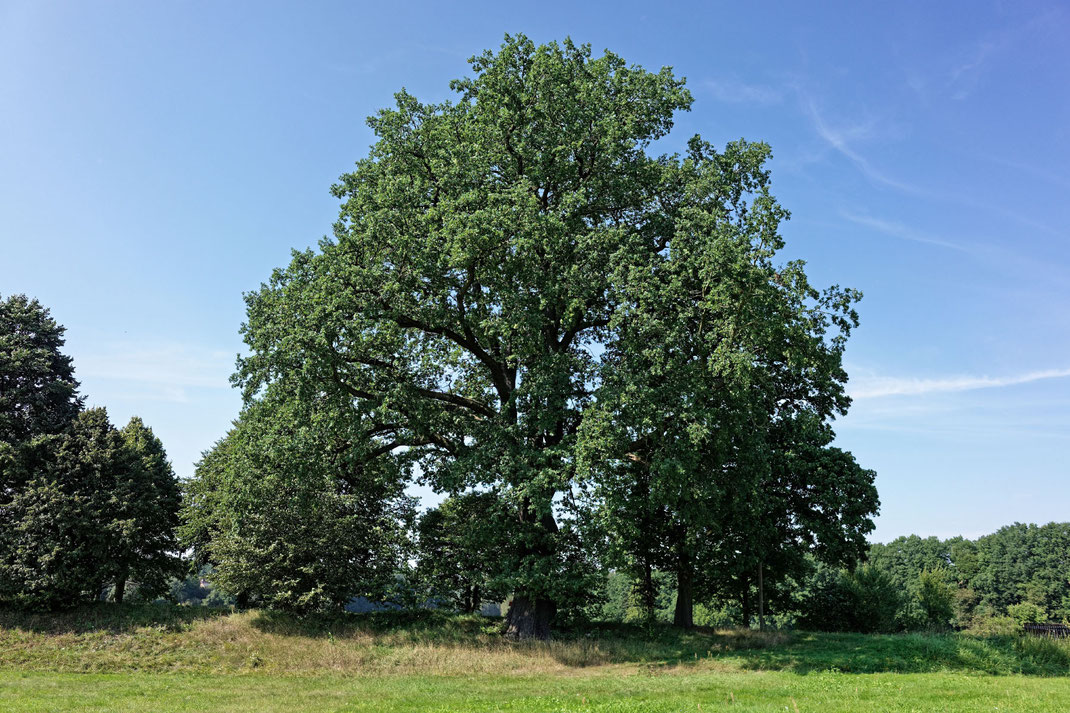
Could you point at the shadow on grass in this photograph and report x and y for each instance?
(406, 636)
(913, 653)
(662, 647)
(419, 625)
(109, 617)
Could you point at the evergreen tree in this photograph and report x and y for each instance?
(145, 517)
(38, 391)
(61, 531)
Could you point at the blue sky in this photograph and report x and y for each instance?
(158, 159)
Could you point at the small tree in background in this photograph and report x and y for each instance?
(866, 600)
(936, 598)
(295, 510)
(457, 546)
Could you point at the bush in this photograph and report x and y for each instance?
(994, 626)
(936, 598)
(1027, 613)
(866, 601)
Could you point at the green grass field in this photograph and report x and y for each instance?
(181, 659)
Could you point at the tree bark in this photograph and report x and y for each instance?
(531, 614)
(684, 616)
(746, 603)
(649, 597)
(761, 598)
(120, 588)
(528, 618)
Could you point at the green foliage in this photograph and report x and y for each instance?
(1018, 564)
(196, 589)
(904, 558)
(936, 598)
(626, 600)
(1025, 563)
(92, 512)
(291, 512)
(38, 402)
(1027, 613)
(865, 600)
(38, 392)
(144, 544)
(707, 451)
(458, 545)
(994, 626)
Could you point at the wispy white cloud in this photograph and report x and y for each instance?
(977, 57)
(868, 387)
(735, 92)
(155, 372)
(903, 232)
(843, 139)
(840, 138)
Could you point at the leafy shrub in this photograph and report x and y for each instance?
(866, 600)
(936, 598)
(994, 626)
(1027, 613)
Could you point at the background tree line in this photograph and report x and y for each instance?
(993, 584)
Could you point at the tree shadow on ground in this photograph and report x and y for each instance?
(110, 618)
(418, 625)
(662, 647)
(913, 653)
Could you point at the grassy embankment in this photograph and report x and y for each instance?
(183, 659)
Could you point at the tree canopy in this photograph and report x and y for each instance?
(38, 391)
(509, 264)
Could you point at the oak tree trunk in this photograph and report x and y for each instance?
(684, 616)
(529, 618)
(530, 614)
(120, 588)
(746, 603)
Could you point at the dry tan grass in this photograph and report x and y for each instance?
(254, 641)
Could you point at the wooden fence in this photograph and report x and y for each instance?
(1056, 631)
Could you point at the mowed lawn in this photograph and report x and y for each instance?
(711, 691)
(170, 659)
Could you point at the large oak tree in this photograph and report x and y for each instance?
(500, 258)
(471, 272)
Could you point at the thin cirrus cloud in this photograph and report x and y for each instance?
(162, 372)
(881, 386)
(898, 230)
(735, 92)
(840, 138)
